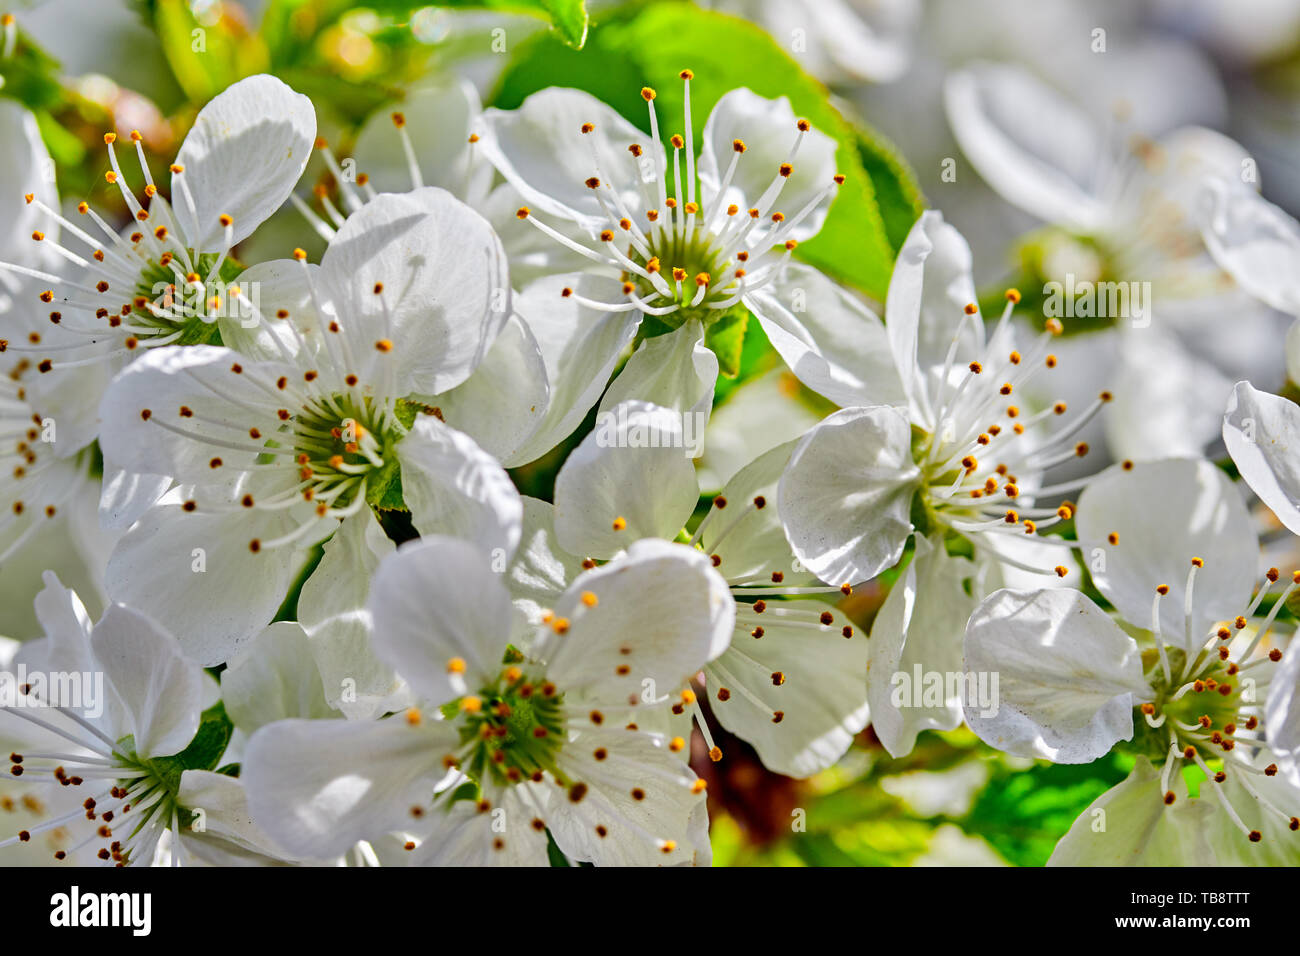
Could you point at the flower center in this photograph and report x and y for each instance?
(513, 728)
(974, 443)
(1207, 701)
(339, 448)
(130, 799)
(146, 288)
(679, 260)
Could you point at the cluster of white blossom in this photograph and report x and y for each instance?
(334, 631)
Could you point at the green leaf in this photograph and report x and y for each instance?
(65, 149)
(568, 17)
(384, 489)
(31, 76)
(756, 357)
(650, 46)
(725, 338)
(290, 26)
(203, 753)
(205, 750)
(289, 606)
(1023, 813)
(206, 59)
(897, 194)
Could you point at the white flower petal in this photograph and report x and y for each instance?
(444, 289)
(65, 624)
(318, 786)
(846, 497)
(1277, 844)
(758, 415)
(580, 347)
(1282, 714)
(821, 693)
(126, 495)
(1262, 432)
(676, 371)
(195, 575)
(242, 158)
(333, 613)
(439, 120)
(1293, 351)
(167, 383)
(1168, 401)
(751, 540)
(1068, 677)
(27, 169)
(465, 835)
(844, 40)
(541, 569)
(831, 341)
(768, 130)
(159, 689)
(454, 487)
(653, 831)
(230, 837)
(925, 308)
(1130, 825)
(916, 640)
(540, 150)
(442, 616)
(1034, 147)
(1166, 513)
(1257, 243)
(632, 467)
(274, 678)
(661, 613)
(280, 285)
(1188, 159)
(505, 401)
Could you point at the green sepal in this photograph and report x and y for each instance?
(204, 751)
(725, 338)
